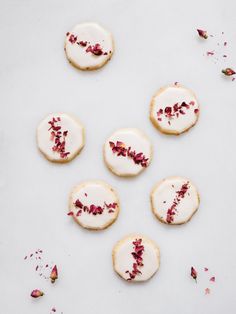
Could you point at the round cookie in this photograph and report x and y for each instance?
(174, 200)
(94, 205)
(136, 258)
(88, 46)
(174, 110)
(60, 137)
(127, 152)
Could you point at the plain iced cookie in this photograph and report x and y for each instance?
(174, 110)
(174, 200)
(127, 152)
(88, 46)
(60, 137)
(94, 205)
(136, 258)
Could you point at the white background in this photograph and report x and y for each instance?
(156, 44)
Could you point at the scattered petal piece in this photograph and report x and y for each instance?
(194, 273)
(206, 269)
(228, 72)
(202, 33)
(36, 293)
(213, 279)
(207, 291)
(54, 274)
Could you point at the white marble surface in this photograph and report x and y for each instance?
(156, 44)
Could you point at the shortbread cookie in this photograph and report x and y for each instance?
(94, 205)
(127, 152)
(88, 46)
(174, 200)
(60, 137)
(174, 110)
(136, 258)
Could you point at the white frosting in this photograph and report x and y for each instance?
(93, 34)
(94, 193)
(74, 139)
(125, 166)
(123, 259)
(164, 194)
(168, 97)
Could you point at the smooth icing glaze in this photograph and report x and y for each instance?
(95, 193)
(125, 165)
(174, 110)
(174, 200)
(123, 259)
(74, 139)
(81, 41)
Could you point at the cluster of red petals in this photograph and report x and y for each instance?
(58, 137)
(93, 209)
(54, 274)
(137, 255)
(202, 33)
(96, 49)
(228, 72)
(120, 149)
(176, 110)
(193, 273)
(172, 210)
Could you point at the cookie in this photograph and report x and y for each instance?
(60, 137)
(136, 258)
(174, 200)
(174, 110)
(88, 46)
(94, 205)
(127, 152)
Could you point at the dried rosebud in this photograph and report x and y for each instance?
(194, 273)
(228, 72)
(36, 293)
(202, 33)
(54, 274)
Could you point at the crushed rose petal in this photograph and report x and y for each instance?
(58, 137)
(172, 210)
(207, 291)
(228, 72)
(202, 33)
(36, 293)
(93, 209)
(137, 255)
(206, 269)
(120, 149)
(213, 279)
(194, 273)
(72, 38)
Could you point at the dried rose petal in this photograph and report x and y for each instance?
(54, 274)
(70, 213)
(36, 293)
(207, 291)
(213, 279)
(228, 72)
(194, 273)
(206, 269)
(202, 33)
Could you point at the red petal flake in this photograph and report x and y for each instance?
(70, 214)
(36, 293)
(137, 255)
(206, 269)
(213, 279)
(202, 33)
(228, 72)
(194, 273)
(72, 39)
(207, 291)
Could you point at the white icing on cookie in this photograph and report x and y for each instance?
(94, 205)
(60, 137)
(136, 258)
(127, 152)
(88, 46)
(174, 110)
(174, 200)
